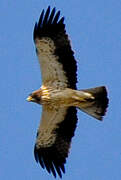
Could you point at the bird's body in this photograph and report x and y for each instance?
(52, 97)
(58, 94)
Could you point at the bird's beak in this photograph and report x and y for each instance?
(29, 98)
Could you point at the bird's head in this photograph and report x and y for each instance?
(35, 97)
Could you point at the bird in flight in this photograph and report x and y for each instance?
(58, 94)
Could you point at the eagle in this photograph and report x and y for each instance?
(58, 94)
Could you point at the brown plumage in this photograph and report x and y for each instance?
(58, 94)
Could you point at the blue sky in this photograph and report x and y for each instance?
(94, 28)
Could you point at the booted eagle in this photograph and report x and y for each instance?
(58, 94)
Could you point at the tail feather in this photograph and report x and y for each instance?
(96, 107)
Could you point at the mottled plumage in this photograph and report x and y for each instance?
(58, 94)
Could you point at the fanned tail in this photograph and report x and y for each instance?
(97, 105)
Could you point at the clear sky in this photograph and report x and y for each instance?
(94, 28)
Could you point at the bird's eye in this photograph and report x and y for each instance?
(37, 98)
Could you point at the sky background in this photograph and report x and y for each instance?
(94, 28)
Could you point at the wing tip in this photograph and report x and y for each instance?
(47, 159)
(47, 19)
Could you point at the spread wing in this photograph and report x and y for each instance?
(58, 66)
(54, 138)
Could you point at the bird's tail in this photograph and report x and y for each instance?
(96, 102)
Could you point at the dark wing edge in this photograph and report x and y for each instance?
(52, 26)
(54, 158)
(48, 24)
